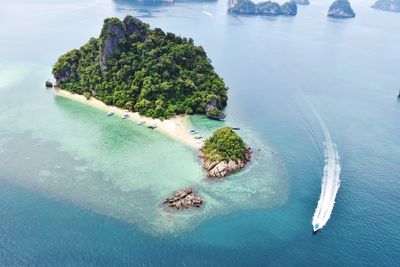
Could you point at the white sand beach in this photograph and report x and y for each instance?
(176, 128)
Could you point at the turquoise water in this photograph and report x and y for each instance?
(80, 189)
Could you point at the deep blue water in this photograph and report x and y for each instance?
(349, 70)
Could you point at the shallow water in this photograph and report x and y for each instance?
(71, 179)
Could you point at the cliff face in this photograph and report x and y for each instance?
(387, 5)
(341, 9)
(112, 34)
(267, 8)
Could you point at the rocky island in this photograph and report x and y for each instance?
(142, 70)
(341, 9)
(184, 199)
(224, 152)
(387, 5)
(267, 8)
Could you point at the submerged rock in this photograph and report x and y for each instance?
(184, 199)
(221, 168)
(289, 8)
(302, 2)
(341, 9)
(387, 5)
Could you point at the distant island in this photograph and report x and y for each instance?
(302, 2)
(341, 9)
(387, 5)
(144, 70)
(224, 152)
(268, 8)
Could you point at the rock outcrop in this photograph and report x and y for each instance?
(213, 112)
(219, 169)
(184, 199)
(302, 2)
(341, 9)
(48, 84)
(387, 5)
(267, 8)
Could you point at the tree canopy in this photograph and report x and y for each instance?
(224, 144)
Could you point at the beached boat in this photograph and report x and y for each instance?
(198, 137)
(110, 113)
(152, 126)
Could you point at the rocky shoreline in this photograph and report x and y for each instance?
(222, 168)
(184, 199)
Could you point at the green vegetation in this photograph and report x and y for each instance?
(224, 144)
(214, 112)
(134, 67)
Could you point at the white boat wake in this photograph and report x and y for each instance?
(330, 180)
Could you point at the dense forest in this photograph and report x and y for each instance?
(140, 69)
(224, 144)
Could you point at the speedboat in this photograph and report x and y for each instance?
(125, 116)
(141, 122)
(316, 227)
(110, 113)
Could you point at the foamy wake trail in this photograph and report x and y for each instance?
(330, 180)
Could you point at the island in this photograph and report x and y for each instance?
(341, 9)
(184, 199)
(302, 2)
(268, 8)
(142, 70)
(387, 5)
(224, 152)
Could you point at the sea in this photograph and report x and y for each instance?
(78, 188)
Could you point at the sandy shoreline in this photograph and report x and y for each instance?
(176, 128)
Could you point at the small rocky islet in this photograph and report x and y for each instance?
(183, 199)
(224, 152)
(341, 9)
(268, 8)
(387, 5)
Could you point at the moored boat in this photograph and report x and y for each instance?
(125, 116)
(110, 113)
